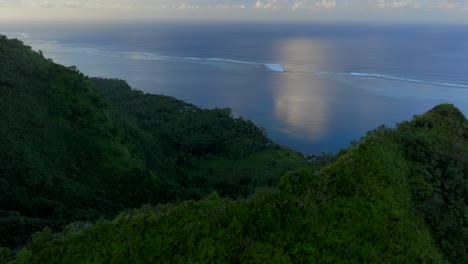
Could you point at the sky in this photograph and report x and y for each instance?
(450, 11)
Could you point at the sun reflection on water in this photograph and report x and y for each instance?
(300, 100)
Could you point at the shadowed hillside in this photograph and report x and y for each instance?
(396, 196)
(74, 148)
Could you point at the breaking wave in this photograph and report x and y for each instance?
(13, 35)
(390, 77)
(54, 46)
(152, 56)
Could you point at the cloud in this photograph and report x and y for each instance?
(48, 5)
(297, 5)
(326, 4)
(394, 3)
(73, 5)
(269, 4)
(11, 3)
(431, 4)
(242, 9)
(450, 4)
(294, 4)
(244, 4)
(286, 4)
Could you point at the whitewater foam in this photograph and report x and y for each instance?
(390, 77)
(18, 35)
(270, 66)
(54, 45)
(152, 56)
(275, 67)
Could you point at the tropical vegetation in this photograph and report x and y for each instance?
(93, 171)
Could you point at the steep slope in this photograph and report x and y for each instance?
(74, 148)
(202, 150)
(396, 196)
(436, 148)
(62, 155)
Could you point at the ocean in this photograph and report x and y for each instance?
(313, 87)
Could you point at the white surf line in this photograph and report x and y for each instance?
(270, 66)
(389, 77)
(152, 56)
(137, 55)
(12, 34)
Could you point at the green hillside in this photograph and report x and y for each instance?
(211, 188)
(74, 148)
(396, 196)
(201, 150)
(62, 155)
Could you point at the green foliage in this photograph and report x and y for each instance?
(51, 161)
(202, 150)
(5, 255)
(436, 146)
(380, 201)
(239, 178)
(183, 129)
(74, 148)
(63, 156)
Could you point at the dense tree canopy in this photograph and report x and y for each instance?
(75, 149)
(382, 201)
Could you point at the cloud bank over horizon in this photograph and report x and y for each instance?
(409, 10)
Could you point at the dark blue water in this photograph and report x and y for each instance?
(313, 87)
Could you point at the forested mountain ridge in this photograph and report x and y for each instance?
(75, 148)
(68, 153)
(396, 196)
(62, 154)
(202, 150)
